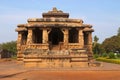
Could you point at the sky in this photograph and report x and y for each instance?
(104, 15)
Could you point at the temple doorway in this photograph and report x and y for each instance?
(55, 37)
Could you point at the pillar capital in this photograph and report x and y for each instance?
(65, 30)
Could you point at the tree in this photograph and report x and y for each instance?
(118, 31)
(10, 46)
(111, 44)
(97, 49)
(0, 46)
(96, 39)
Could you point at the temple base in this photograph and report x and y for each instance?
(57, 59)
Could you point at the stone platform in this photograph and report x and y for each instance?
(55, 59)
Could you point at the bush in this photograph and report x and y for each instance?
(112, 55)
(118, 55)
(104, 55)
(96, 55)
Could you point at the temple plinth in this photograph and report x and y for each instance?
(54, 41)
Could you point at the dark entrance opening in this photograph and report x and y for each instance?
(55, 36)
(24, 38)
(85, 38)
(37, 35)
(73, 35)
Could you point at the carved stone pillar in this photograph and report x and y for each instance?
(18, 45)
(19, 39)
(30, 36)
(45, 36)
(81, 38)
(90, 41)
(65, 32)
(66, 36)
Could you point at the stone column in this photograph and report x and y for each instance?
(90, 41)
(18, 46)
(30, 36)
(19, 39)
(65, 32)
(66, 36)
(81, 38)
(45, 36)
(19, 49)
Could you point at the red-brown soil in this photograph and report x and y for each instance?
(11, 70)
(64, 75)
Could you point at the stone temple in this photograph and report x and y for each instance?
(55, 41)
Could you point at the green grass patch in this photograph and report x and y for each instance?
(116, 61)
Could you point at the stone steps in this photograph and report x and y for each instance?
(55, 47)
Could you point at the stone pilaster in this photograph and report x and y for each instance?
(29, 37)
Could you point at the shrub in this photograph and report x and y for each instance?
(112, 55)
(104, 55)
(116, 61)
(96, 55)
(118, 55)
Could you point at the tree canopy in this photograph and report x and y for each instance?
(9, 46)
(111, 44)
(97, 48)
(96, 39)
(118, 31)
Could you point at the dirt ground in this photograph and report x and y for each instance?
(11, 70)
(64, 75)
